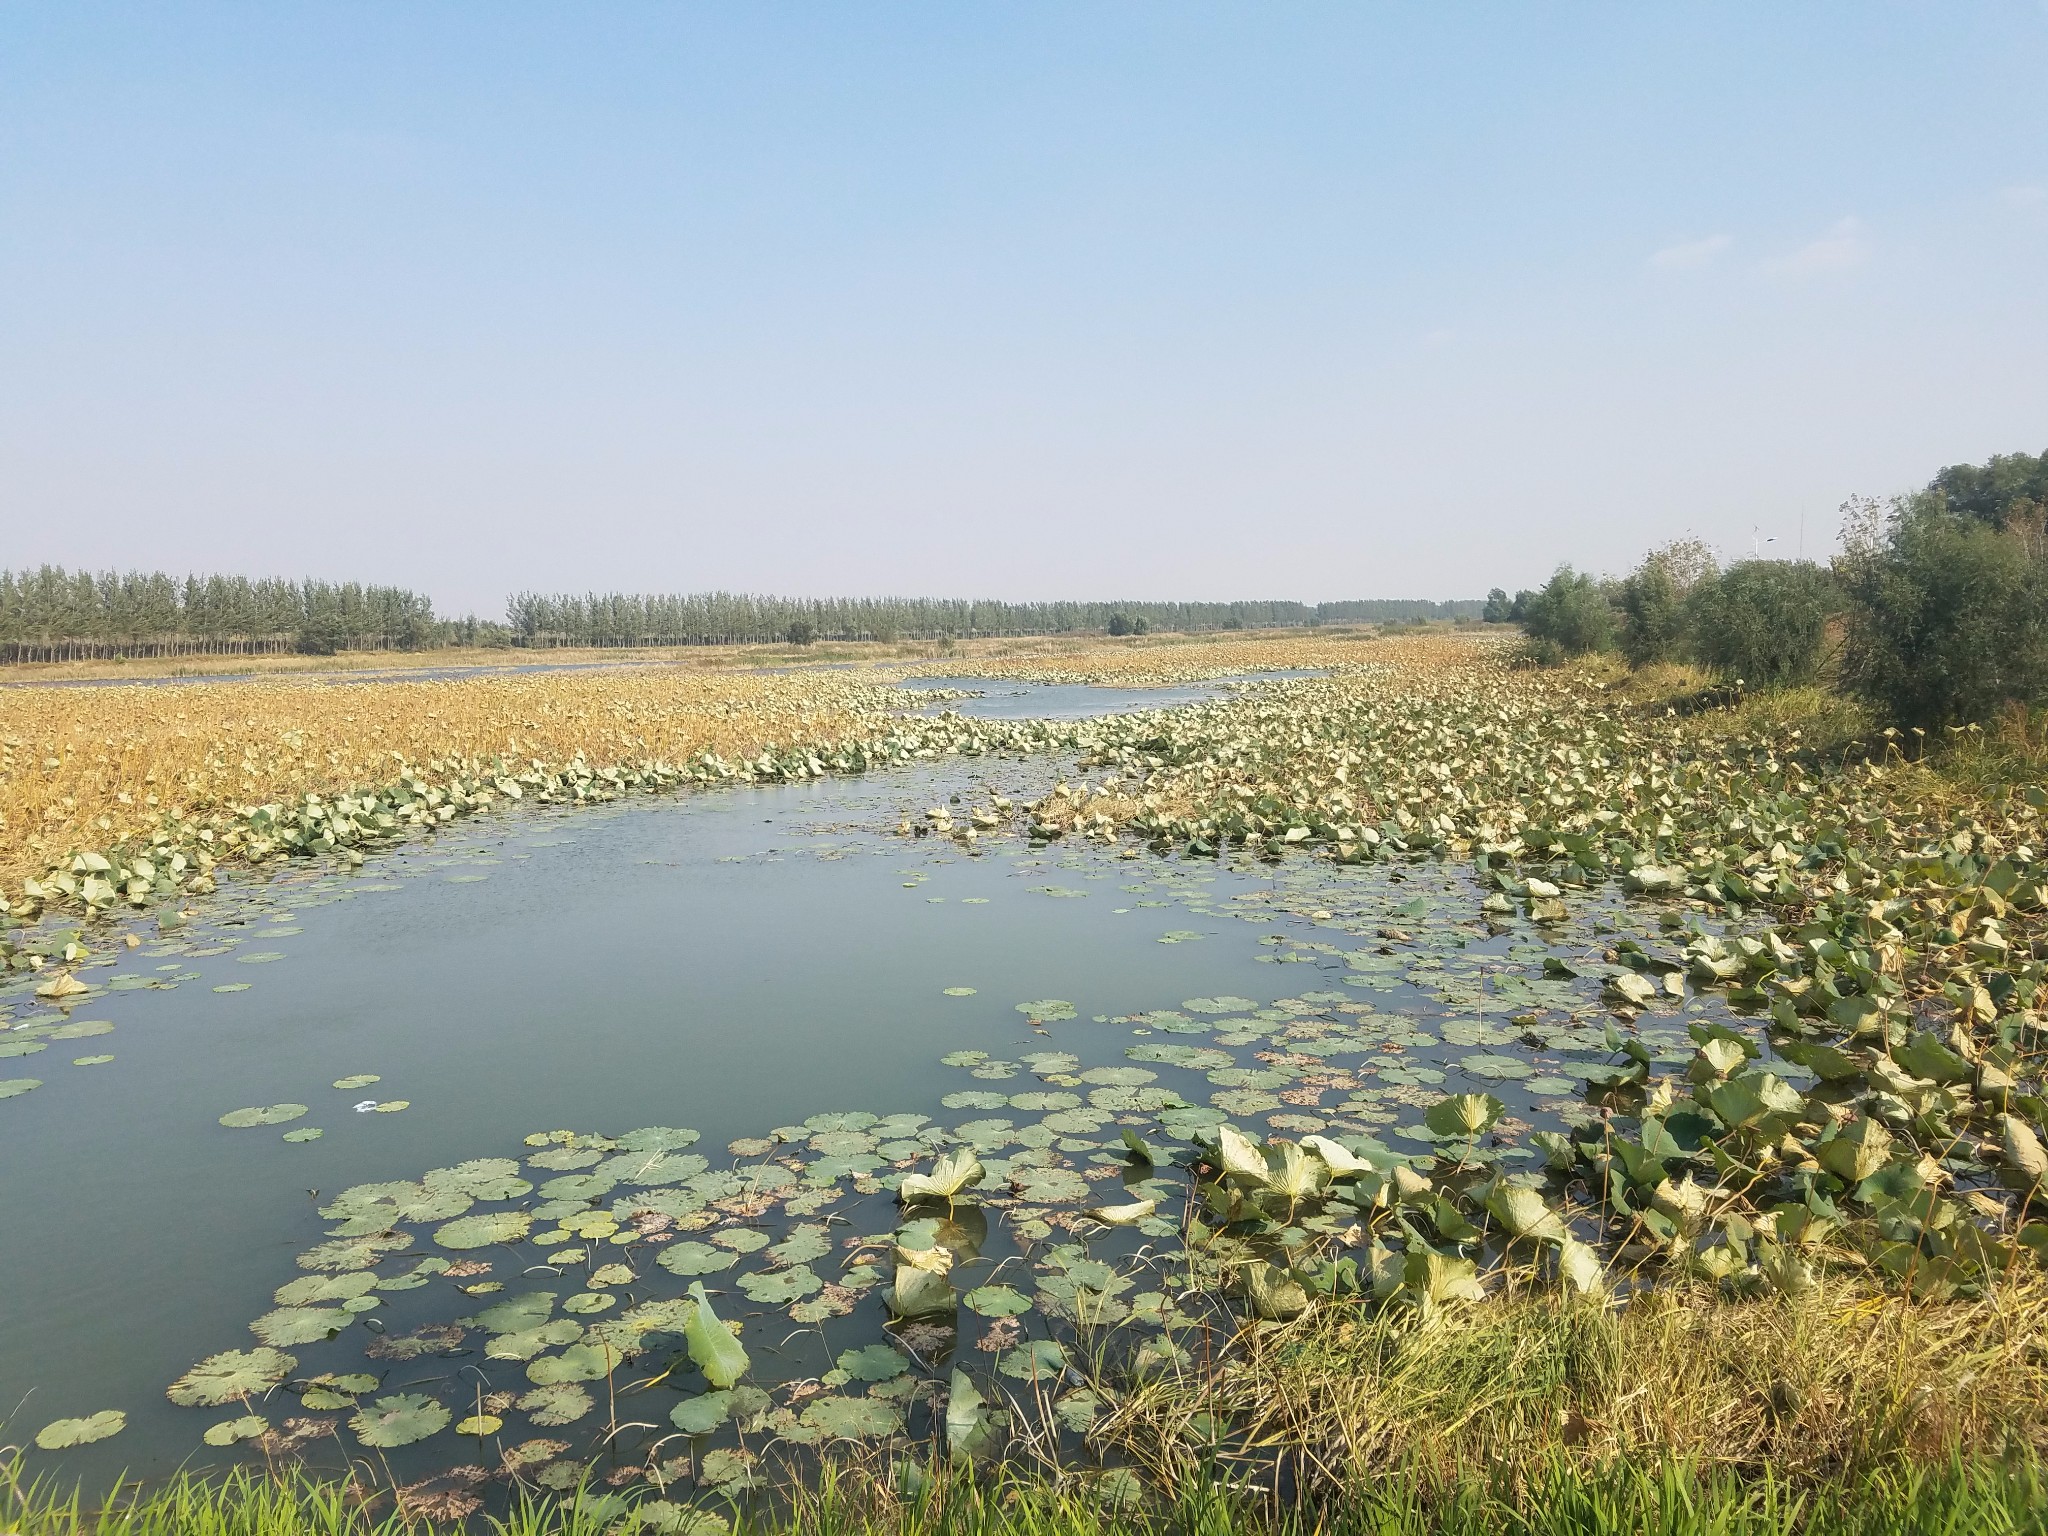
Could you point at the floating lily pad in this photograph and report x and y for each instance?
(360, 1080)
(997, 1301)
(561, 1403)
(269, 1114)
(400, 1419)
(1051, 1010)
(230, 1431)
(959, 991)
(851, 1418)
(62, 1434)
(306, 1133)
(289, 1326)
(230, 1375)
(484, 1230)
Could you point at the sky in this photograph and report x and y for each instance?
(1020, 300)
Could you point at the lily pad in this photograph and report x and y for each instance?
(268, 1114)
(561, 1403)
(62, 1434)
(851, 1418)
(231, 1375)
(400, 1419)
(484, 1230)
(230, 1431)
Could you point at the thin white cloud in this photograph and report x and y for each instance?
(1839, 249)
(1692, 253)
(2030, 196)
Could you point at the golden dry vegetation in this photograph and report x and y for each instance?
(94, 767)
(103, 767)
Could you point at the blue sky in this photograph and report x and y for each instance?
(1020, 300)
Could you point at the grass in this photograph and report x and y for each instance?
(1954, 1498)
(1845, 1384)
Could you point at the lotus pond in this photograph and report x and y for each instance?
(654, 1147)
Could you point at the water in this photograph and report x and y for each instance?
(1008, 699)
(728, 961)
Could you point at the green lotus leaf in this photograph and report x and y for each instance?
(803, 1244)
(702, 1414)
(956, 1171)
(480, 1424)
(1050, 1010)
(561, 1403)
(288, 1326)
(483, 1231)
(270, 1114)
(1039, 1360)
(586, 1302)
(975, 1099)
(851, 1418)
(693, 1258)
(350, 1253)
(997, 1301)
(229, 1376)
(873, 1362)
(230, 1431)
(579, 1362)
(308, 1290)
(659, 1138)
(62, 1434)
(1038, 1102)
(526, 1343)
(780, 1287)
(304, 1134)
(515, 1314)
(359, 1080)
(712, 1345)
(1466, 1115)
(400, 1419)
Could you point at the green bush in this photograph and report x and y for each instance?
(1653, 601)
(1571, 616)
(1762, 621)
(1948, 612)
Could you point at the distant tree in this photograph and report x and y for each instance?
(1652, 598)
(2005, 487)
(1763, 621)
(1143, 626)
(802, 632)
(1119, 623)
(1233, 622)
(1497, 607)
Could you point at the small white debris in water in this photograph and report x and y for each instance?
(366, 1106)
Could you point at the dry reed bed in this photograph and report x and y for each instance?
(1840, 1384)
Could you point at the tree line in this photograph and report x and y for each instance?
(731, 618)
(1935, 613)
(51, 614)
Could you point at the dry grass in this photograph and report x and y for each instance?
(1844, 1384)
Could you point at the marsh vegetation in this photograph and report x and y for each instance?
(1653, 1083)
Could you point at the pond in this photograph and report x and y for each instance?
(715, 966)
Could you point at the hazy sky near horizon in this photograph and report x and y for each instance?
(1020, 300)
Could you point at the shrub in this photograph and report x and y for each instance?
(1762, 621)
(802, 632)
(1569, 617)
(1948, 611)
(1653, 620)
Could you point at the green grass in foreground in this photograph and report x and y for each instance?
(1965, 1498)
